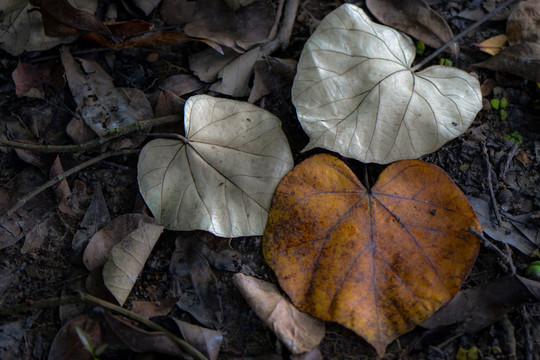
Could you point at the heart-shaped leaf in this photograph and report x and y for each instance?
(377, 261)
(221, 178)
(356, 94)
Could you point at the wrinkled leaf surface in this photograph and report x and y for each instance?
(223, 178)
(378, 262)
(355, 93)
(299, 331)
(127, 259)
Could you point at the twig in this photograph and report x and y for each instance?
(507, 257)
(462, 34)
(285, 30)
(511, 155)
(275, 27)
(92, 300)
(112, 134)
(490, 185)
(64, 175)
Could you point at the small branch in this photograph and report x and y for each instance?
(111, 135)
(92, 300)
(64, 175)
(490, 185)
(506, 257)
(275, 27)
(285, 31)
(511, 154)
(462, 34)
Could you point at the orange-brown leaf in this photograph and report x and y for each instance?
(378, 262)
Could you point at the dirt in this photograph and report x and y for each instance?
(42, 271)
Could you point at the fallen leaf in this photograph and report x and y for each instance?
(235, 75)
(521, 60)
(62, 190)
(207, 64)
(36, 237)
(503, 232)
(95, 217)
(15, 227)
(21, 26)
(222, 176)
(101, 105)
(62, 14)
(237, 4)
(272, 75)
(377, 261)
(298, 331)
(100, 244)
(30, 78)
(147, 6)
(493, 45)
(127, 259)
(11, 334)
(168, 103)
(477, 308)
(214, 20)
(355, 93)
(195, 284)
(523, 23)
(148, 309)
(207, 341)
(67, 344)
(142, 341)
(415, 18)
(181, 85)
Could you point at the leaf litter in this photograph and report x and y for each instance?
(154, 281)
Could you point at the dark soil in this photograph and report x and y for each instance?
(45, 270)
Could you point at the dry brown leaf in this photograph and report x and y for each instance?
(148, 309)
(272, 75)
(493, 45)
(299, 331)
(207, 341)
(523, 24)
(101, 105)
(127, 259)
(30, 78)
(101, 243)
(521, 59)
(214, 20)
(181, 85)
(147, 6)
(207, 64)
(377, 261)
(235, 76)
(415, 18)
(66, 343)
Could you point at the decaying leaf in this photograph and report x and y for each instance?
(299, 331)
(66, 343)
(101, 105)
(100, 244)
(214, 20)
(207, 341)
(355, 93)
(127, 259)
(377, 261)
(493, 45)
(521, 59)
(221, 178)
(523, 24)
(415, 18)
(147, 6)
(234, 77)
(272, 75)
(478, 307)
(207, 64)
(21, 26)
(30, 78)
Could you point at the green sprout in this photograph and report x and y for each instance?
(495, 103)
(516, 137)
(88, 344)
(420, 47)
(445, 62)
(533, 270)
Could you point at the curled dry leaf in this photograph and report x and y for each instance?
(96, 253)
(299, 331)
(493, 45)
(21, 26)
(127, 259)
(67, 344)
(221, 178)
(207, 341)
(523, 24)
(377, 261)
(415, 18)
(356, 94)
(101, 105)
(214, 20)
(521, 59)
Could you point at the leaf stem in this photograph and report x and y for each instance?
(462, 34)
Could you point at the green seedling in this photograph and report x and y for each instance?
(88, 344)
(445, 62)
(503, 114)
(464, 167)
(495, 104)
(533, 270)
(503, 103)
(420, 47)
(515, 137)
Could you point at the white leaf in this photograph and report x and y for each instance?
(223, 177)
(356, 94)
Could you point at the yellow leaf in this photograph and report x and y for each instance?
(493, 45)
